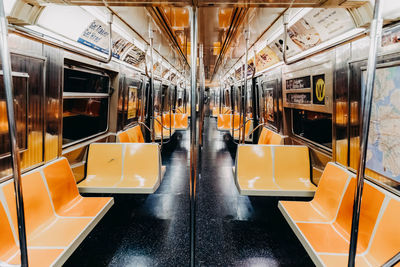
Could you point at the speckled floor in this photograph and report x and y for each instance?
(154, 230)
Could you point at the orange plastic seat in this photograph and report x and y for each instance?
(325, 204)
(181, 121)
(9, 250)
(238, 123)
(122, 168)
(131, 135)
(166, 131)
(51, 238)
(224, 122)
(262, 171)
(326, 236)
(65, 195)
(268, 137)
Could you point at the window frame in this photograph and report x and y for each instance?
(76, 95)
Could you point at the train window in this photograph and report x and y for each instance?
(313, 126)
(85, 105)
(20, 82)
(165, 98)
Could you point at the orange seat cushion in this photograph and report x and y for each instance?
(64, 193)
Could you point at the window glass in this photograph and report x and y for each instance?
(85, 111)
(20, 108)
(76, 81)
(313, 126)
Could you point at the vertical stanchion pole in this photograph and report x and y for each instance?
(12, 130)
(375, 39)
(193, 132)
(246, 37)
(152, 127)
(201, 95)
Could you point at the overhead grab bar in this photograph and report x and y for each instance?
(12, 130)
(375, 39)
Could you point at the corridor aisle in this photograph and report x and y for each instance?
(234, 230)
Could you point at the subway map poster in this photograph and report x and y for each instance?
(383, 155)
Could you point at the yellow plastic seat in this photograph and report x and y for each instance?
(51, 238)
(166, 131)
(224, 122)
(122, 168)
(181, 121)
(326, 236)
(268, 137)
(261, 170)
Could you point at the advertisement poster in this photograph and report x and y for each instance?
(135, 56)
(291, 48)
(304, 35)
(250, 68)
(96, 37)
(265, 58)
(132, 101)
(238, 74)
(391, 36)
(269, 105)
(319, 25)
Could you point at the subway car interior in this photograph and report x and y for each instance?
(200, 133)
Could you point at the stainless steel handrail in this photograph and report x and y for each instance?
(375, 39)
(193, 131)
(12, 130)
(392, 261)
(247, 37)
(151, 36)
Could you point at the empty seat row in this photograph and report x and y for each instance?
(268, 137)
(262, 170)
(323, 225)
(57, 217)
(131, 135)
(123, 168)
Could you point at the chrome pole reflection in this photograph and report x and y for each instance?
(375, 35)
(12, 130)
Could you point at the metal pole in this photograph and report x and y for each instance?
(201, 95)
(151, 34)
(246, 37)
(375, 35)
(16, 164)
(193, 132)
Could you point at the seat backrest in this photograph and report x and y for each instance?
(331, 188)
(135, 134)
(168, 120)
(371, 203)
(106, 159)
(123, 137)
(8, 244)
(386, 240)
(37, 203)
(253, 160)
(61, 183)
(291, 161)
(269, 137)
(144, 161)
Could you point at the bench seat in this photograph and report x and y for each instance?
(268, 137)
(122, 168)
(57, 219)
(131, 135)
(323, 224)
(262, 170)
(181, 121)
